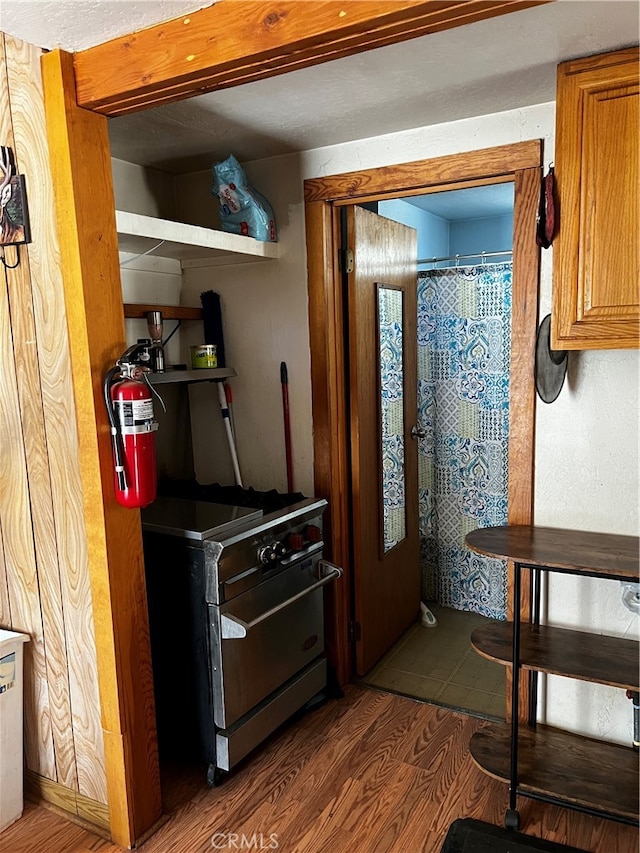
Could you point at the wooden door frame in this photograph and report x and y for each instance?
(521, 163)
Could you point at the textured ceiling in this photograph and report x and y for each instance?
(77, 24)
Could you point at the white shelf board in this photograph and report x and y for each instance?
(138, 234)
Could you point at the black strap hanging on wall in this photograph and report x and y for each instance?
(546, 219)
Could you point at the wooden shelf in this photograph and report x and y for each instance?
(561, 651)
(135, 311)
(580, 552)
(203, 374)
(188, 243)
(577, 770)
(551, 764)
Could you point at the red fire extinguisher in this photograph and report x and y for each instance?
(129, 402)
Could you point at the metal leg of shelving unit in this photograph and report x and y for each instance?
(535, 620)
(511, 817)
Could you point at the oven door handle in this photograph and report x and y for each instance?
(234, 628)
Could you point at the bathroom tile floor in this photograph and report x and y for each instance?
(438, 665)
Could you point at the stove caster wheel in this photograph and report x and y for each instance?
(215, 776)
(512, 819)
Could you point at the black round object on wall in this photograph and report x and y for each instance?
(551, 365)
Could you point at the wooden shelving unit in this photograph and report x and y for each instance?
(190, 244)
(552, 763)
(537, 761)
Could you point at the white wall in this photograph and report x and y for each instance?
(147, 191)
(586, 442)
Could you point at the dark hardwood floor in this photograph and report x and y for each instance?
(371, 773)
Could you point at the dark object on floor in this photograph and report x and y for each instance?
(475, 836)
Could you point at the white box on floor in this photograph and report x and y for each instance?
(11, 714)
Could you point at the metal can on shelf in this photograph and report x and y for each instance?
(204, 355)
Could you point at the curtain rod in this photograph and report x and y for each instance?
(463, 257)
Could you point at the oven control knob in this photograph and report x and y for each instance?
(267, 555)
(280, 550)
(313, 533)
(295, 541)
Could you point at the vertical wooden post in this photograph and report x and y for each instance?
(522, 412)
(81, 168)
(330, 447)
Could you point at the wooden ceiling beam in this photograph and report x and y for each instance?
(240, 41)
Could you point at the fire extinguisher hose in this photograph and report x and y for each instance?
(116, 438)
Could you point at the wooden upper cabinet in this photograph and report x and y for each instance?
(596, 260)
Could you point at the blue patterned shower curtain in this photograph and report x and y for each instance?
(464, 344)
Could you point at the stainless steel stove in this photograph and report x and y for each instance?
(236, 619)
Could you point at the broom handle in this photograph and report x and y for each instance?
(222, 397)
(284, 379)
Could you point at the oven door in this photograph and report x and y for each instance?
(262, 638)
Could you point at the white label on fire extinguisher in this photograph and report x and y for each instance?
(134, 412)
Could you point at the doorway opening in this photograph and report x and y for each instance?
(464, 298)
(518, 164)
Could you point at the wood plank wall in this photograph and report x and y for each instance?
(44, 574)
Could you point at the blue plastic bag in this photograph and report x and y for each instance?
(242, 209)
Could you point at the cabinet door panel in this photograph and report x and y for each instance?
(610, 205)
(596, 264)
